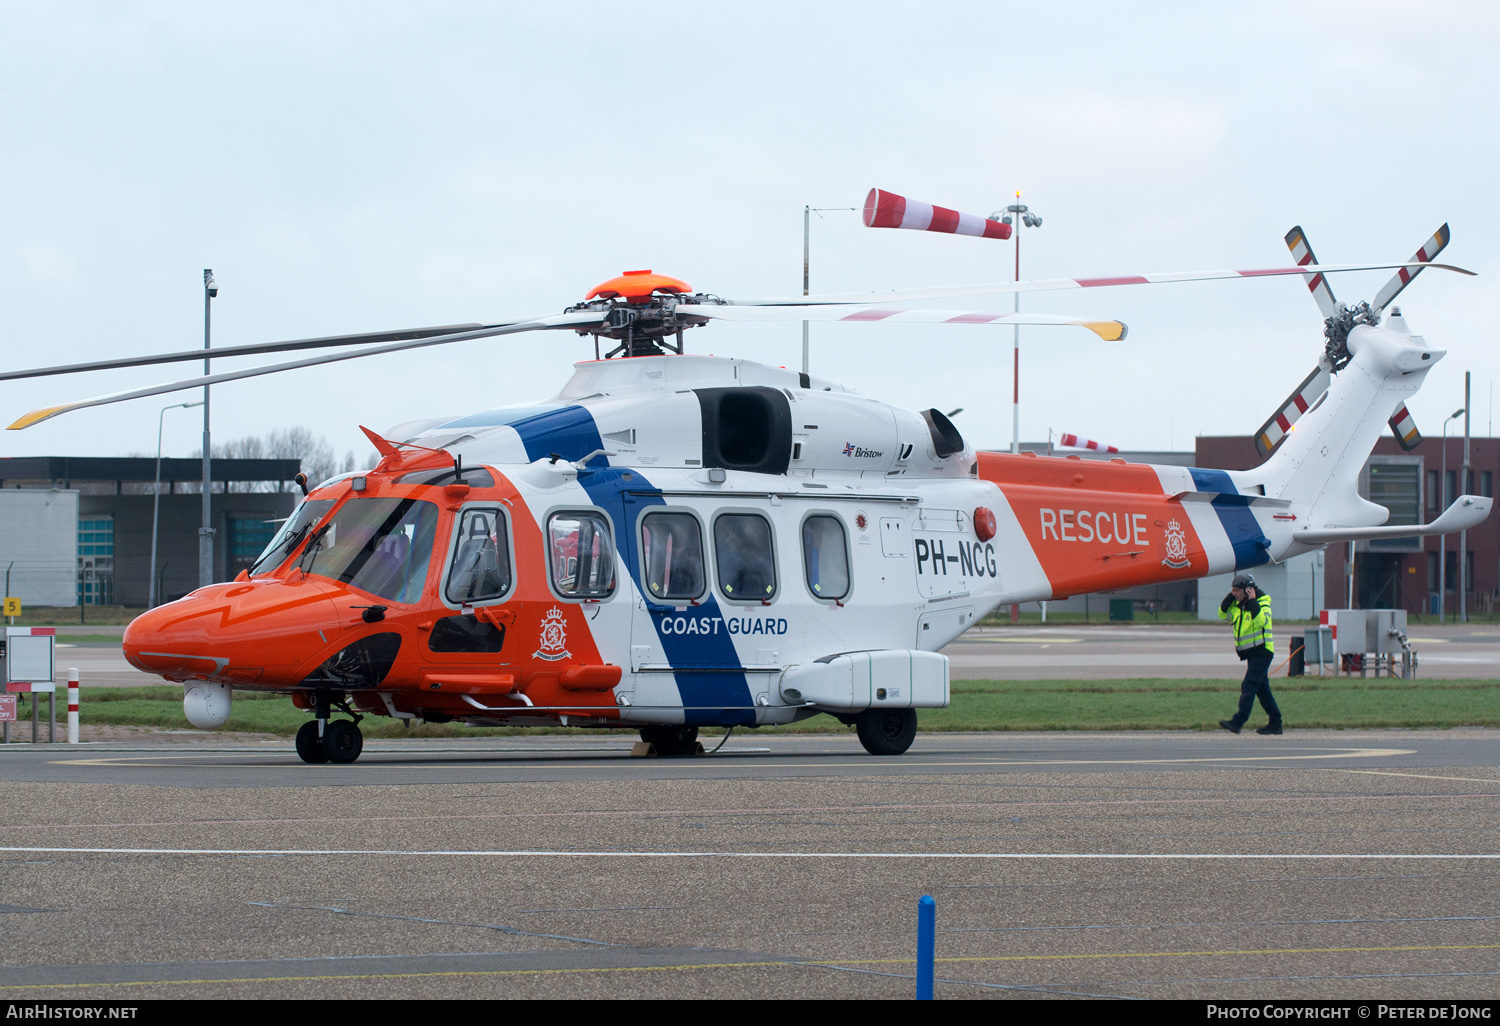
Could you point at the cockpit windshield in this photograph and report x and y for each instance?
(293, 530)
(381, 546)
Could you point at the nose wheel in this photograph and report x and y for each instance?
(325, 740)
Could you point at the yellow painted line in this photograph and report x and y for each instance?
(1419, 776)
(1173, 954)
(400, 976)
(449, 974)
(1348, 753)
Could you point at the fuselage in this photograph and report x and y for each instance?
(665, 541)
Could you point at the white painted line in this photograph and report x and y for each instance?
(488, 853)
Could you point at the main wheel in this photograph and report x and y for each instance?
(671, 741)
(309, 744)
(342, 741)
(886, 731)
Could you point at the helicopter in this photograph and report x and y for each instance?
(675, 541)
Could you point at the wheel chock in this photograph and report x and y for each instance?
(642, 750)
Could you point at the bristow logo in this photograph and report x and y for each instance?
(850, 449)
(554, 637)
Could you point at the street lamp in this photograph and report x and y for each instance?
(206, 530)
(156, 498)
(1017, 212)
(1443, 539)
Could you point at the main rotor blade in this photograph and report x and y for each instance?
(250, 350)
(1004, 288)
(1110, 331)
(1431, 248)
(570, 320)
(1296, 241)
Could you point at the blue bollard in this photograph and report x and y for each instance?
(926, 944)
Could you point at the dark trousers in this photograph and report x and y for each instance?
(1257, 684)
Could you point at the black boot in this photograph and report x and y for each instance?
(1270, 728)
(1230, 725)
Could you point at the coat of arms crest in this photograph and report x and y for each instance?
(1176, 546)
(554, 637)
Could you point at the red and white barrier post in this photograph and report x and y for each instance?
(72, 705)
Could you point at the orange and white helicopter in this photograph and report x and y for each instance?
(675, 541)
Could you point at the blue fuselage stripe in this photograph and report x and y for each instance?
(1249, 542)
(693, 638)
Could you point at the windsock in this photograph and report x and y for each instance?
(887, 210)
(1074, 442)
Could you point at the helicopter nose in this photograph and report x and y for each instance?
(235, 633)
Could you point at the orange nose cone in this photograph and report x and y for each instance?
(236, 633)
(638, 286)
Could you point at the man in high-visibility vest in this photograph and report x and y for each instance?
(1250, 614)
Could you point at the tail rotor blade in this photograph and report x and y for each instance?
(1404, 275)
(1298, 403)
(1296, 241)
(887, 210)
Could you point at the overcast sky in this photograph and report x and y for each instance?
(363, 166)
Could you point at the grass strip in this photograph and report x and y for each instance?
(1119, 704)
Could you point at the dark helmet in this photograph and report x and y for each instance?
(1242, 581)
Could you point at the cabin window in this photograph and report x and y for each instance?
(582, 556)
(381, 546)
(481, 559)
(672, 545)
(745, 557)
(293, 530)
(825, 552)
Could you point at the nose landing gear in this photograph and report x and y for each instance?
(338, 741)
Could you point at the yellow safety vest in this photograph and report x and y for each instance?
(1251, 630)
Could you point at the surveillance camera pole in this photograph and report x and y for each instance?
(206, 530)
(807, 212)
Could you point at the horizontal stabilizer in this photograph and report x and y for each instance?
(1467, 511)
(1232, 499)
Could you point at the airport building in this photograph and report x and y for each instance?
(79, 529)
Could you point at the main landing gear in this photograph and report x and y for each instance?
(671, 741)
(324, 740)
(886, 731)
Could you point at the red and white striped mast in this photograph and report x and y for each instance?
(1021, 213)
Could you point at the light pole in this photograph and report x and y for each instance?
(156, 498)
(1443, 504)
(1020, 212)
(1464, 584)
(807, 212)
(206, 530)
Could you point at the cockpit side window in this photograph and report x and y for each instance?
(745, 557)
(382, 546)
(672, 545)
(581, 555)
(293, 530)
(825, 551)
(481, 559)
